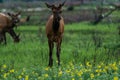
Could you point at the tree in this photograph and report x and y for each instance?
(100, 16)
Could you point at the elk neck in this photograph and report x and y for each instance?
(56, 23)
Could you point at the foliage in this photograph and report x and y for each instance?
(81, 55)
(72, 71)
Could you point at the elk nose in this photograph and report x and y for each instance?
(16, 21)
(16, 39)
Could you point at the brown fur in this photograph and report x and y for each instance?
(49, 30)
(7, 23)
(52, 35)
(25, 20)
(5, 26)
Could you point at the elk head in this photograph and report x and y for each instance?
(25, 19)
(14, 17)
(56, 10)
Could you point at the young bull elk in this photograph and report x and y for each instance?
(54, 31)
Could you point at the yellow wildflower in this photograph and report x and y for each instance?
(73, 79)
(26, 77)
(46, 75)
(115, 78)
(114, 64)
(87, 63)
(98, 70)
(12, 71)
(79, 73)
(102, 64)
(99, 66)
(115, 68)
(5, 75)
(24, 69)
(4, 66)
(68, 71)
(60, 73)
(106, 67)
(85, 70)
(98, 74)
(47, 68)
(71, 65)
(104, 70)
(19, 77)
(22, 73)
(92, 75)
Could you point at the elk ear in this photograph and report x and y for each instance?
(28, 18)
(48, 5)
(18, 13)
(9, 14)
(60, 5)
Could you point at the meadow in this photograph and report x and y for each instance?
(89, 52)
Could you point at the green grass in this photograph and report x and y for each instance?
(78, 47)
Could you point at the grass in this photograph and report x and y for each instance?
(71, 72)
(78, 47)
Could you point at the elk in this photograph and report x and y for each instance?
(102, 15)
(54, 31)
(7, 23)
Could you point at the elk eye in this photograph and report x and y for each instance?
(54, 11)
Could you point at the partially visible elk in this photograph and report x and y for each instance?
(101, 15)
(7, 23)
(54, 31)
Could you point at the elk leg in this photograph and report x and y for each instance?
(4, 38)
(13, 34)
(58, 51)
(51, 45)
(1, 38)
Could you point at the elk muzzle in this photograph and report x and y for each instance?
(17, 39)
(57, 16)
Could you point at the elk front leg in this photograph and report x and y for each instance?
(1, 38)
(58, 51)
(51, 45)
(4, 38)
(13, 35)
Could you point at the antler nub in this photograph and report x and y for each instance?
(60, 5)
(49, 6)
